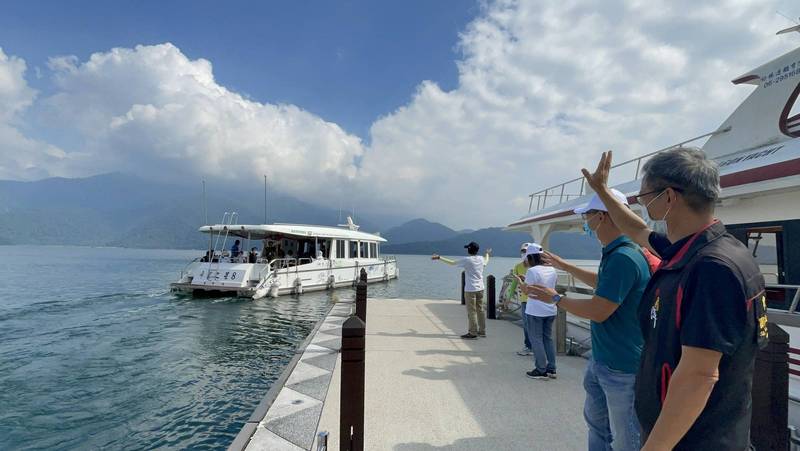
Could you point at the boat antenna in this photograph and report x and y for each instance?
(265, 199)
(205, 207)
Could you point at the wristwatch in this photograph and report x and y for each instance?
(556, 299)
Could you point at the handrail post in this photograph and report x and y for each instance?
(770, 392)
(351, 416)
(361, 299)
(463, 282)
(363, 274)
(491, 304)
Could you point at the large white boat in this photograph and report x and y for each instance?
(278, 259)
(759, 157)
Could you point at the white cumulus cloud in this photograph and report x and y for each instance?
(545, 86)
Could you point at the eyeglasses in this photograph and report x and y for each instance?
(660, 190)
(589, 214)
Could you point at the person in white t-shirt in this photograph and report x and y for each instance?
(473, 288)
(539, 316)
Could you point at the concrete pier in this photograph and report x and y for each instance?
(426, 388)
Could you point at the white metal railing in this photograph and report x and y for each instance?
(561, 191)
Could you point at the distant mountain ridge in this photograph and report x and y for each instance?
(502, 243)
(418, 230)
(122, 210)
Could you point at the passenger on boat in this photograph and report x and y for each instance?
(616, 337)
(703, 314)
(252, 257)
(235, 251)
(473, 288)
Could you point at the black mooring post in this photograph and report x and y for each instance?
(491, 310)
(363, 274)
(351, 402)
(361, 300)
(463, 282)
(768, 424)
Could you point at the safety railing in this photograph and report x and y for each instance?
(563, 193)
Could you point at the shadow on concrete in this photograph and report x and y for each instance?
(515, 412)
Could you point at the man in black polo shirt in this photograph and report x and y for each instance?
(703, 314)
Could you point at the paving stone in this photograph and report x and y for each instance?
(299, 428)
(317, 387)
(266, 440)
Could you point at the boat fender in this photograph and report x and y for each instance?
(273, 290)
(298, 286)
(331, 282)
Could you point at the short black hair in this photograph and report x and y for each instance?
(472, 248)
(534, 259)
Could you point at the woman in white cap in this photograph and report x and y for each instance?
(539, 315)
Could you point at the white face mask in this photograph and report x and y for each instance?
(657, 225)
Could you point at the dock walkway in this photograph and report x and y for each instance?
(427, 389)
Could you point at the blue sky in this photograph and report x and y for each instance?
(346, 61)
(449, 110)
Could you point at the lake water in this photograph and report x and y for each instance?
(96, 353)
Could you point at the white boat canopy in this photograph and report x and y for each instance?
(260, 232)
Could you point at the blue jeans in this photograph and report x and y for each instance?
(608, 409)
(527, 340)
(540, 331)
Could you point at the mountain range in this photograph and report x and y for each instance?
(126, 211)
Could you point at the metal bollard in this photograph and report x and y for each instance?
(770, 393)
(361, 300)
(322, 441)
(561, 331)
(491, 309)
(463, 282)
(351, 416)
(363, 274)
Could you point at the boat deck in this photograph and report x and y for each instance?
(428, 389)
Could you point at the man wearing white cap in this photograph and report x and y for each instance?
(539, 316)
(616, 334)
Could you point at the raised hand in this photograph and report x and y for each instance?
(599, 179)
(551, 259)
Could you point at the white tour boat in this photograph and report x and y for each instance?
(759, 158)
(279, 259)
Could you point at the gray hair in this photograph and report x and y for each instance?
(688, 170)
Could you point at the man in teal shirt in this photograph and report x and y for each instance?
(616, 335)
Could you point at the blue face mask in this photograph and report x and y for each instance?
(588, 230)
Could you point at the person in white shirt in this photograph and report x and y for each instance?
(473, 288)
(539, 316)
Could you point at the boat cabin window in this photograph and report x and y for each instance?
(363, 252)
(373, 250)
(325, 248)
(764, 244)
(354, 249)
(340, 249)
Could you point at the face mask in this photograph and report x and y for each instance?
(657, 225)
(588, 230)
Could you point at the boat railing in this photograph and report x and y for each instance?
(185, 269)
(563, 192)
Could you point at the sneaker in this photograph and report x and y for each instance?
(525, 352)
(536, 374)
(551, 374)
(469, 336)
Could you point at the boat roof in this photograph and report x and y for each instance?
(262, 231)
(779, 164)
